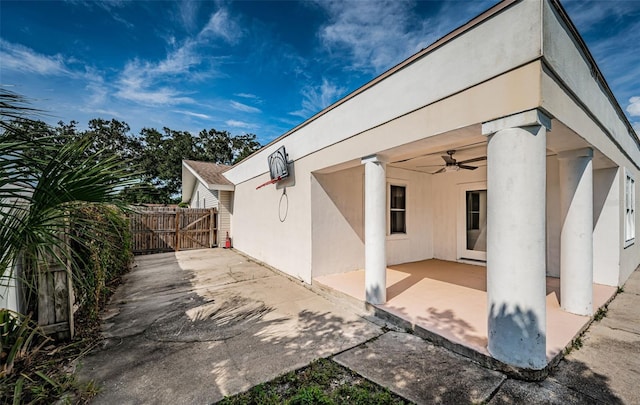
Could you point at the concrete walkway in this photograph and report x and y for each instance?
(195, 326)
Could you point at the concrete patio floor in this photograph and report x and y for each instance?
(450, 300)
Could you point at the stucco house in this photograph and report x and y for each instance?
(204, 186)
(499, 150)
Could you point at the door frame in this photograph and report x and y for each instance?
(462, 253)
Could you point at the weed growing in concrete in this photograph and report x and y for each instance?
(602, 312)
(576, 344)
(322, 382)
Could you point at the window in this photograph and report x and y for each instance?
(476, 210)
(398, 217)
(473, 210)
(471, 222)
(629, 209)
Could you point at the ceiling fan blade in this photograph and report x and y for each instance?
(478, 159)
(430, 166)
(439, 171)
(467, 167)
(449, 160)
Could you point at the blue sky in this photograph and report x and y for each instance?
(258, 67)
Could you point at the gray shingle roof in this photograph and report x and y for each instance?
(210, 172)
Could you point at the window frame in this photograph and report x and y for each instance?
(400, 235)
(629, 208)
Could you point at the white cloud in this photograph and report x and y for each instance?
(159, 96)
(315, 99)
(188, 11)
(20, 58)
(634, 107)
(222, 25)
(144, 82)
(98, 91)
(247, 95)
(585, 14)
(150, 83)
(244, 108)
(101, 112)
(193, 114)
(376, 35)
(108, 6)
(240, 124)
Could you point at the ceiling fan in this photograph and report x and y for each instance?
(452, 165)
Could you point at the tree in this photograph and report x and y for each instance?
(223, 148)
(162, 154)
(245, 145)
(153, 158)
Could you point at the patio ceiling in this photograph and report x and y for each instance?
(469, 143)
(426, 154)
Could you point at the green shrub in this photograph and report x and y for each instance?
(104, 256)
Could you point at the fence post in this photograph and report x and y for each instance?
(177, 229)
(211, 227)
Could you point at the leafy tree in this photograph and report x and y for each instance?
(113, 137)
(162, 154)
(245, 145)
(153, 158)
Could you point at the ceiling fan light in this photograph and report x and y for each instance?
(451, 168)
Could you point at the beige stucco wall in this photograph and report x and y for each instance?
(554, 216)
(606, 226)
(630, 255)
(337, 221)
(566, 74)
(446, 209)
(417, 244)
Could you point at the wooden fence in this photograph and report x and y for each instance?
(156, 231)
(55, 294)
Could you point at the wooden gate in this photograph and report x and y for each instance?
(165, 230)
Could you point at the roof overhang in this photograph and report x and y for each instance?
(190, 178)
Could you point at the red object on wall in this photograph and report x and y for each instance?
(227, 243)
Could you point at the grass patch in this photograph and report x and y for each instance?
(323, 382)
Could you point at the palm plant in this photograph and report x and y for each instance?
(43, 181)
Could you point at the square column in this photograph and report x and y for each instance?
(516, 234)
(576, 237)
(375, 224)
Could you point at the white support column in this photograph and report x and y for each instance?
(375, 225)
(516, 232)
(576, 237)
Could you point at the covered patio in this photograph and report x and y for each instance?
(450, 299)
